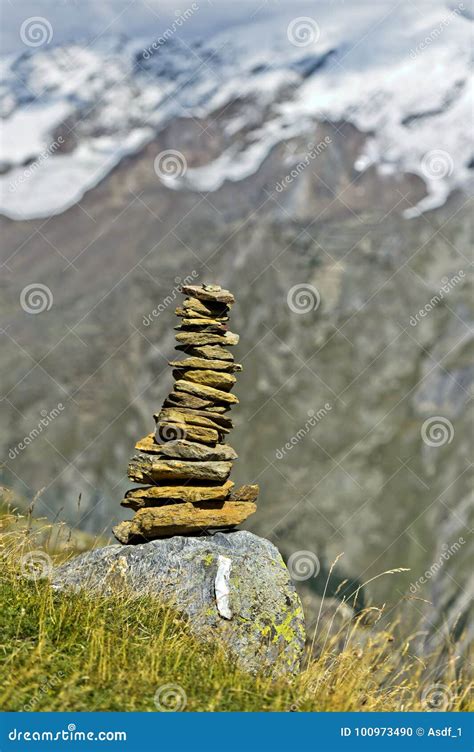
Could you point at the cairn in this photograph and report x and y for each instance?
(184, 467)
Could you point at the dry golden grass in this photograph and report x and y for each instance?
(77, 652)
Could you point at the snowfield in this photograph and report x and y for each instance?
(399, 73)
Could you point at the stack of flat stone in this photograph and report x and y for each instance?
(184, 467)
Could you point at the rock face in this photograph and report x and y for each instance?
(184, 467)
(233, 587)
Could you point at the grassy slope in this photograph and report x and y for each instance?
(64, 652)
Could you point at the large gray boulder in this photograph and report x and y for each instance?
(233, 587)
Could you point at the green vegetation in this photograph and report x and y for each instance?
(77, 652)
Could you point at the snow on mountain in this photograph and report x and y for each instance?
(72, 112)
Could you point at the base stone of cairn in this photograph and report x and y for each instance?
(234, 589)
(183, 468)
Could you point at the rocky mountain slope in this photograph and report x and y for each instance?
(354, 415)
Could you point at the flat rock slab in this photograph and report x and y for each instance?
(208, 325)
(212, 352)
(245, 493)
(215, 365)
(149, 496)
(169, 431)
(182, 519)
(216, 379)
(147, 467)
(211, 293)
(265, 632)
(199, 390)
(194, 417)
(196, 339)
(181, 399)
(193, 307)
(189, 450)
(191, 314)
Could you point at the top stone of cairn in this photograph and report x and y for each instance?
(211, 293)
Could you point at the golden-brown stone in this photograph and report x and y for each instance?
(190, 313)
(216, 379)
(183, 519)
(245, 493)
(205, 308)
(209, 293)
(207, 325)
(212, 352)
(193, 417)
(172, 431)
(145, 468)
(199, 390)
(155, 495)
(185, 449)
(204, 363)
(182, 399)
(195, 339)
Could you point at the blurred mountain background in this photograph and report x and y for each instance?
(314, 158)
